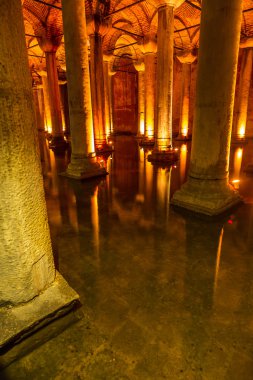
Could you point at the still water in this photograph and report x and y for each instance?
(165, 295)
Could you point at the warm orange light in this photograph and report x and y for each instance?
(48, 128)
(183, 158)
(241, 131)
(184, 131)
(142, 126)
(235, 181)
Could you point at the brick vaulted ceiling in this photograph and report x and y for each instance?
(124, 27)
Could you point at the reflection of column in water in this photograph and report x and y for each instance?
(54, 175)
(163, 179)
(183, 158)
(203, 247)
(95, 221)
(237, 167)
(218, 257)
(148, 179)
(140, 195)
(72, 209)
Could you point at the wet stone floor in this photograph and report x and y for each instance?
(165, 295)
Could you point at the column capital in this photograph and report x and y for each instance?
(49, 45)
(139, 66)
(167, 3)
(149, 45)
(246, 43)
(187, 57)
(96, 25)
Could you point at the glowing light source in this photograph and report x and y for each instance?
(241, 132)
(184, 131)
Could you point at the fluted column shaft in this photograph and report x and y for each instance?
(244, 88)
(97, 89)
(165, 48)
(150, 90)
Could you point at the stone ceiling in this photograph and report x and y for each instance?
(137, 22)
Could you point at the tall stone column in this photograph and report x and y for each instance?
(186, 60)
(112, 72)
(57, 141)
(50, 45)
(207, 189)
(31, 291)
(38, 116)
(83, 162)
(140, 67)
(41, 106)
(244, 88)
(107, 87)
(165, 48)
(149, 51)
(48, 120)
(95, 31)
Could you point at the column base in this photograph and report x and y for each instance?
(58, 143)
(145, 141)
(16, 323)
(84, 168)
(182, 138)
(168, 157)
(209, 197)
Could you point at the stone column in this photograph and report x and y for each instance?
(207, 189)
(243, 95)
(165, 48)
(65, 108)
(107, 88)
(186, 59)
(38, 116)
(31, 291)
(57, 141)
(95, 31)
(140, 67)
(48, 120)
(83, 162)
(41, 106)
(112, 72)
(149, 51)
(49, 46)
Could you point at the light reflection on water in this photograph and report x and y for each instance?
(174, 275)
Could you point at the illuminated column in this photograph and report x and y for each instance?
(61, 84)
(38, 116)
(207, 190)
(150, 89)
(48, 121)
(140, 67)
(186, 60)
(244, 87)
(95, 31)
(112, 72)
(31, 292)
(107, 88)
(57, 141)
(165, 48)
(41, 106)
(83, 161)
